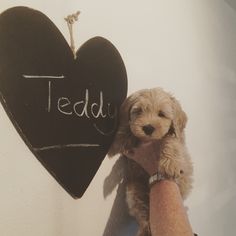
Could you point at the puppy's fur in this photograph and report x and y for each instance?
(149, 115)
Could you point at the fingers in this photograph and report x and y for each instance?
(146, 155)
(145, 149)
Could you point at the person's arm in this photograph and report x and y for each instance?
(168, 216)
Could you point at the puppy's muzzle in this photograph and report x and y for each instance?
(148, 129)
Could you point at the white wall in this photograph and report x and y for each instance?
(188, 48)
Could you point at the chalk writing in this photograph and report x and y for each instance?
(84, 108)
(61, 103)
(66, 146)
(44, 76)
(103, 132)
(49, 96)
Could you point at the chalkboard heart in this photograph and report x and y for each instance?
(65, 109)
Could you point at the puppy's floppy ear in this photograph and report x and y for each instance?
(126, 108)
(123, 133)
(180, 118)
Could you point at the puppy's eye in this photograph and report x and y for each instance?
(161, 114)
(137, 111)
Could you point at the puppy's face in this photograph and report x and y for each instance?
(148, 114)
(151, 115)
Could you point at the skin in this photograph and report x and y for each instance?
(167, 213)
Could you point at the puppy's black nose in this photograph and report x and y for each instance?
(148, 129)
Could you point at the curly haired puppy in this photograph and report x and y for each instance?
(149, 115)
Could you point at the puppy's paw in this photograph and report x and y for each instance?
(170, 168)
(171, 162)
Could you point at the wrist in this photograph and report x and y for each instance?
(159, 177)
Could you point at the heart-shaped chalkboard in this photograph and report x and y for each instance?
(65, 109)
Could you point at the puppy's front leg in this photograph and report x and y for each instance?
(175, 163)
(171, 158)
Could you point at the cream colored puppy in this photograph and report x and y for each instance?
(149, 115)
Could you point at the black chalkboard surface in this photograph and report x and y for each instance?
(65, 109)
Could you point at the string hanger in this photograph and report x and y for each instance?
(71, 19)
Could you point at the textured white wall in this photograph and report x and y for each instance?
(186, 47)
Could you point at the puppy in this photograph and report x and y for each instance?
(149, 115)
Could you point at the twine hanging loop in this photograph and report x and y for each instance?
(71, 19)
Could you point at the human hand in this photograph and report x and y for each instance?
(146, 155)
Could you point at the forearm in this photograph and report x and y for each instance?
(167, 214)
